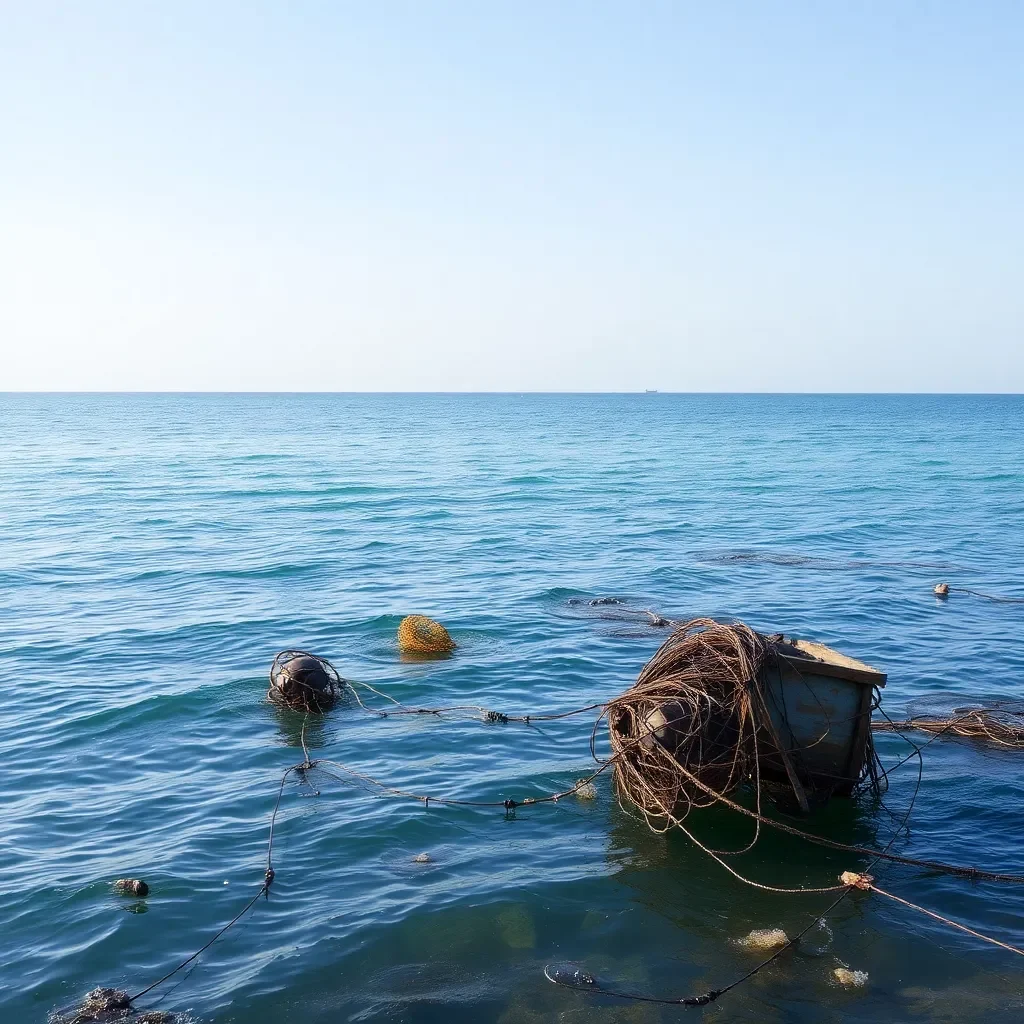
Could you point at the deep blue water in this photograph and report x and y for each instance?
(156, 551)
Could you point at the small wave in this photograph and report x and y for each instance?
(530, 479)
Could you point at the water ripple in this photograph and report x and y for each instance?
(158, 550)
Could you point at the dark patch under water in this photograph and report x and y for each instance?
(811, 562)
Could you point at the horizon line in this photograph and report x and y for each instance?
(521, 392)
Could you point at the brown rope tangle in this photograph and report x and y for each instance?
(693, 704)
(707, 677)
(696, 724)
(964, 871)
(1001, 727)
(509, 805)
(569, 976)
(723, 641)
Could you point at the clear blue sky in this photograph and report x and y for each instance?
(516, 196)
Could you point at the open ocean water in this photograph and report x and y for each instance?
(157, 550)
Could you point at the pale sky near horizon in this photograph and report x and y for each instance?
(549, 196)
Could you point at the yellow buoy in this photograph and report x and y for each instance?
(419, 635)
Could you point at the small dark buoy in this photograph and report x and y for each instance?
(132, 887)
(302, 680)
(941, 590)
(302, 673)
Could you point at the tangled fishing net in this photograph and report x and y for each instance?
(696, 725)
(419, 635)
(1000, 726)
(304, 681)
(615, 609)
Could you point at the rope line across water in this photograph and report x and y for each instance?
(849, 880)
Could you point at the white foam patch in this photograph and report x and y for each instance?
(852, 979)
(764, 938)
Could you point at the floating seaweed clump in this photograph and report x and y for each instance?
(763, 939)
(851, 979)
(131, 887)
(585, 790)
(107, 1006)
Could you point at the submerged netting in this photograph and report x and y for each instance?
(697, 724)
(1000, 724)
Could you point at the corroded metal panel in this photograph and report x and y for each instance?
(818, 719)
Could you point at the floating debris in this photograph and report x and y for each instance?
(569, 975)
(104, 1001)
(851, 979)
(1003, 727)
(719, 705)
(614, 609)
(131, 887)
(108, 1006)
(304, 681)
(858, 880)
(585, 790)
(763, 939)
(706, 712)
(419, 635)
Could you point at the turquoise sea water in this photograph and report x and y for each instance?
(156, 551)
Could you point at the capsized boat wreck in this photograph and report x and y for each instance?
(722, 706)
